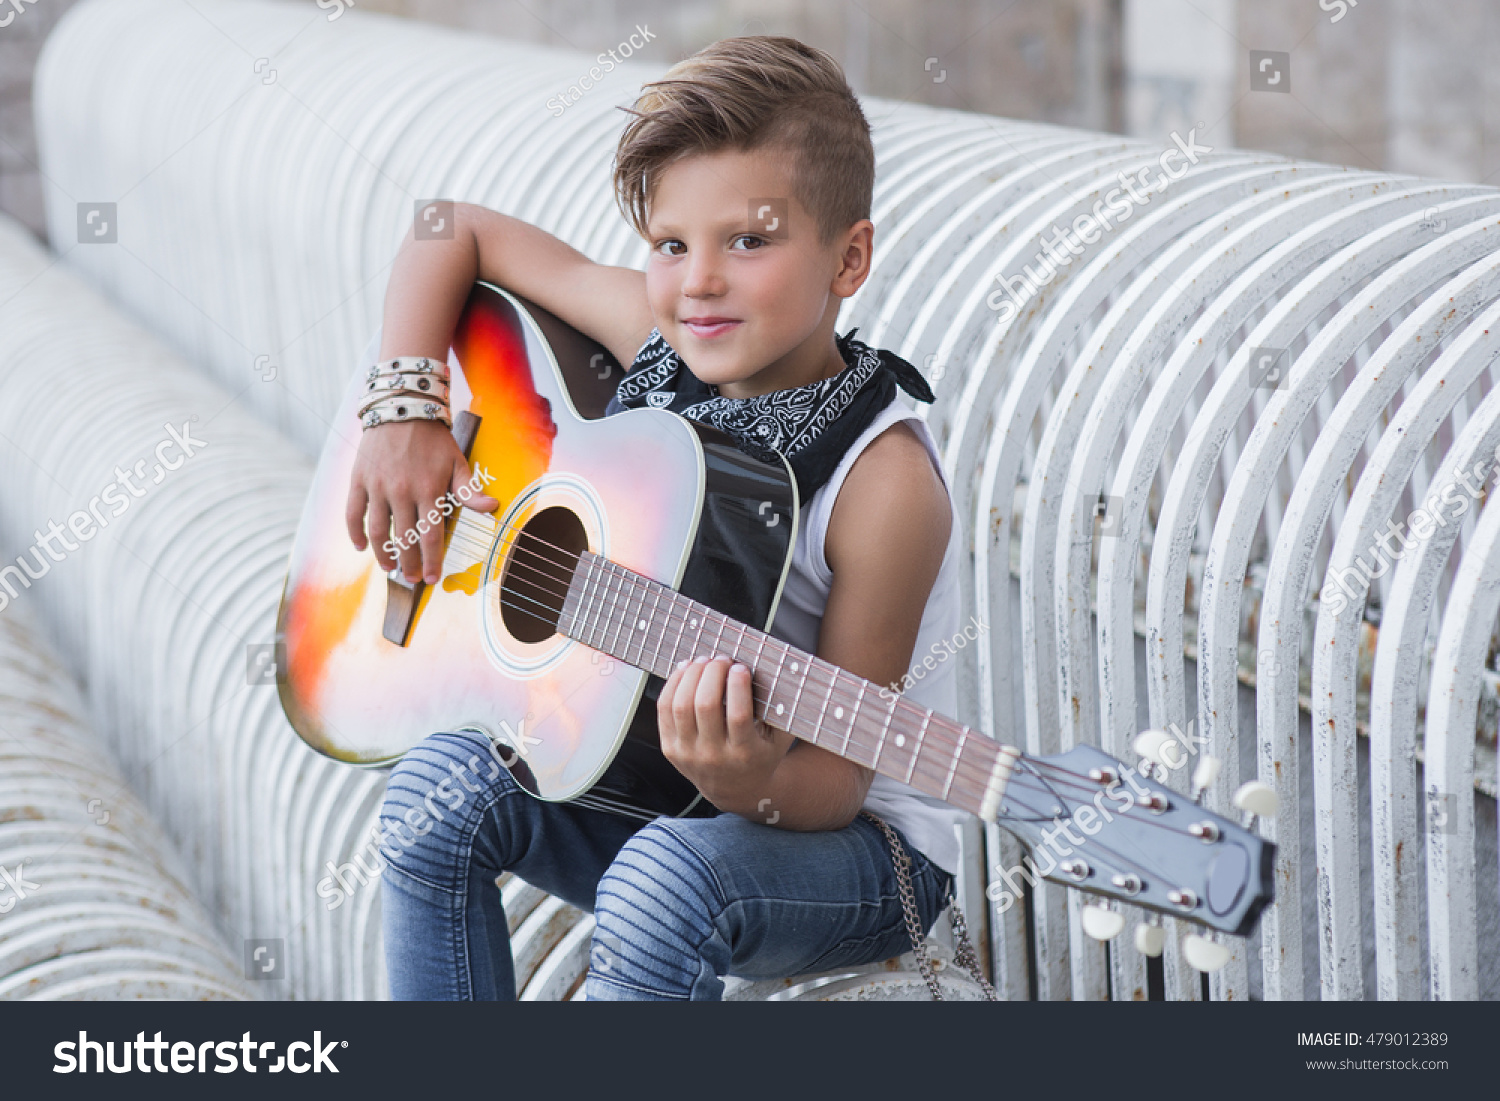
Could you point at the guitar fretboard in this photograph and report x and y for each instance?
(652, 627)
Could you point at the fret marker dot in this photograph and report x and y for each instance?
(794, 667)
(692, 623)
(900, 740)
(641, 624)
(778, 709)
(838, 712)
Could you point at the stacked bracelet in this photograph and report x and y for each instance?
(406, 388)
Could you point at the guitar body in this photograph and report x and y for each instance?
(673, 500)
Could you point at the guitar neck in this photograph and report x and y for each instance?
(653, 627)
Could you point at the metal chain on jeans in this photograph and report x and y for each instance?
(963, 952)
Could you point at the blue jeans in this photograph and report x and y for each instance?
(678, 902)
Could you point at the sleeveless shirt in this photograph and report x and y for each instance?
(926, 821)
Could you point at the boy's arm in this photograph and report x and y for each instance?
(885, 545)
(403, 468)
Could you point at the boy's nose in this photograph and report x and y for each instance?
(703, 278)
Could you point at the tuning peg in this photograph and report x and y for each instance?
(1101, 923)
(1204, 954)
(1257, 798)
(1205, 774)
(1149, 939)
(1150, 744)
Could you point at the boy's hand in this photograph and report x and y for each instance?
(400, 473)
(709, 733)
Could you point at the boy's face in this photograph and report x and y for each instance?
(738, 294)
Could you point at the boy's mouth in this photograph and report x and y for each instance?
(706, 328)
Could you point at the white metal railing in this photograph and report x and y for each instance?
(1134, 492)
(93, 904)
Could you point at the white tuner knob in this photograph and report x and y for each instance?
(1149, 939)
(1204, 954)
(1150, 743)
(1101, 924)
(1206, 772)
(1257, 798)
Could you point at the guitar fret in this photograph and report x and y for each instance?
(613, 648)
(638, 619)
(655, 607)
(828, 695)
(921, 737)
(585, 595)
(698, 642)
(760, 648)
(885, 730)
(797, 696)
(586, 598)
(623, 620)
(853, 715)
(596, 599)
(771, 692)
(675, 601)
(720, 636)
(953, 768)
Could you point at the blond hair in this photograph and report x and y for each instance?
(751, 93)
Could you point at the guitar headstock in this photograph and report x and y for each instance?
(1096, 824)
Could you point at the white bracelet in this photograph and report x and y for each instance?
(420, 365)
(402, 407)
(406, 382)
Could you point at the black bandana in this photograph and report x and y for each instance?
(812, 426)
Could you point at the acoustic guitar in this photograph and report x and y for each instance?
(623, 545)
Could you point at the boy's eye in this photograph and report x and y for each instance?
(755, 242)
(665, 247)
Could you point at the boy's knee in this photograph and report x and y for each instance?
(658, 872)
(439, 789)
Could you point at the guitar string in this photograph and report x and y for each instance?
(1019, 780)
(977, 774)
(980, 774)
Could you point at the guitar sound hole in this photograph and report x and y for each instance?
(538, 569)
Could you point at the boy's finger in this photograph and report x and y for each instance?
(354, 515)
(431, 543)
(683, 705)
(708, 700)
(664, 721)
(739, 707)
(380, 532)
(404, 519)
(477, 501)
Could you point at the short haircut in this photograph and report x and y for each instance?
(759, 92)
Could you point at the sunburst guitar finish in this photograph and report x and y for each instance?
(661, 495)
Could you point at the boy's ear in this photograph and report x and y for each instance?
(856, 253)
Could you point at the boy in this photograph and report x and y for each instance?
(786, 876)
